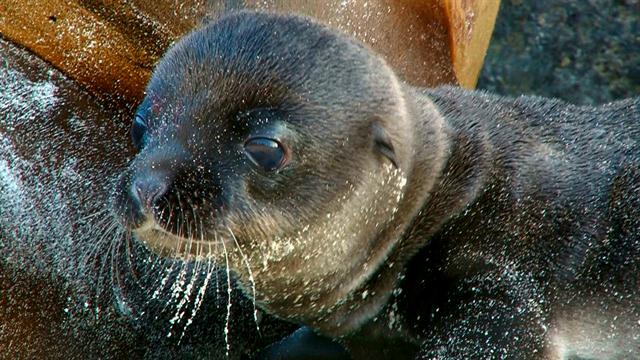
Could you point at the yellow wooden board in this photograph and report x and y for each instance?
(110, 46)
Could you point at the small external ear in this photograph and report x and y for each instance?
(382, 143)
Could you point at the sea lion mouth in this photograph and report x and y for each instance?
(169, 244)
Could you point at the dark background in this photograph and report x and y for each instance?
(582, 51)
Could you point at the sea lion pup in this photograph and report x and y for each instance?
(429, 223)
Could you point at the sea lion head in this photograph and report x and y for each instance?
(275, 146)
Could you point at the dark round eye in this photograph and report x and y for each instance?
(139, 132)
(267, 153)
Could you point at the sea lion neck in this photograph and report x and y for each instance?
(429, 146)
(441, 183)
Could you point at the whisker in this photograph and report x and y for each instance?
(226, 327)
(177, 286)
(184, 300)
(91, 252)
(187, 294)
(251, 279)
(116, 285)
(101, 272)
(128, 245)
(164, 280)
(170, 270)
(179, 228)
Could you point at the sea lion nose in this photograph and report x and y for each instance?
(147, 190)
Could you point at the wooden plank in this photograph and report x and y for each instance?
(110, 46)
(470, 27)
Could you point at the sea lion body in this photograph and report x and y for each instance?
(438, 223)
(542, 261)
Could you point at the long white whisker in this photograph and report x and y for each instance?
(251, 279)
(226, 327)
(104, 241)
(197, 302)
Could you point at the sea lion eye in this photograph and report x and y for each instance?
(139, 132)
(267, 153)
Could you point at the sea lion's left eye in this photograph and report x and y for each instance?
(139, 132)
(267, 153)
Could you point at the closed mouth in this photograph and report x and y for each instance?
(166, 243)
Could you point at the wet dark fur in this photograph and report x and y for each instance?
(552, 233)
(525, 247)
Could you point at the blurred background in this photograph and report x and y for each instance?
(582, 51)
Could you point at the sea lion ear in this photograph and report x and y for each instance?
(383, 144)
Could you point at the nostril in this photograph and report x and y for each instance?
(148, 191)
